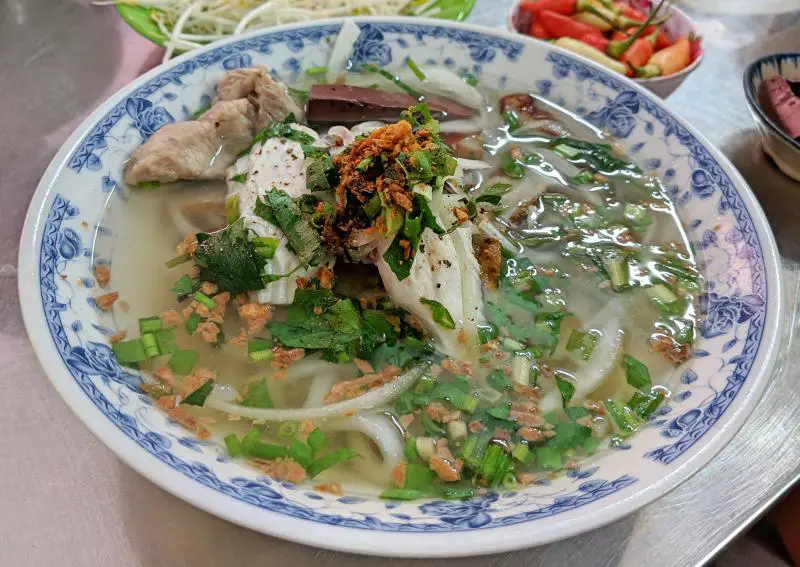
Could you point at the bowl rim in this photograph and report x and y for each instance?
(394, 544)
(751, 96)
(690, 68)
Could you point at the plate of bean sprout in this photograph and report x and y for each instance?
(182, 25)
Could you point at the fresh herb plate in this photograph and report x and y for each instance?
(138, 17)
(73, 219)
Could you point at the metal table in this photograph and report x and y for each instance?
(65, 499)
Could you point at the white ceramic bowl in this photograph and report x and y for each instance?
(70, 225)
(679, 24)
(776, 143)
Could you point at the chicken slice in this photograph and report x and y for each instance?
(247, 101)
(277, 163)
(444, 270)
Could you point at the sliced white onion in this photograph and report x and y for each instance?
(385, 435)
(372, 399)
(339, 60)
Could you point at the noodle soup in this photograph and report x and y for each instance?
(478, 293)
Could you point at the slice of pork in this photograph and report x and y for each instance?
(247, 100)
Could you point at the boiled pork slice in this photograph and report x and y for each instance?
(247, 100)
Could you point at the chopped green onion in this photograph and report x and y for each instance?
(267, 451)
(512, 168)
(475, 447)
(165, 339)
(373, 206)
(234, 445)
(418, 73)
(566, 388)
(250, 439)
(330, 460)
(259, 350)
(432, 427)
(523, 454)
(301, 453)
(636, 373)
(487, 333)
(317, 440)
(183, 361)
(583, 178)
(178, 260)
(312, 71)
(418, 476)
(149, 325)
(618, 271)
(644, 404)
(192, 322)
(548, 458)
(410, 450)
(582, 344)
(364, 164)
(149, 185)
(662, 293)
(499, 412)
(238, 178)
(205, 300)
(460, 399)
(440, 313)
(183, 287)
(512, 120)
(198, 397)
(495, 464)
(453, 493)
(130, 352)
(199, 112)
(470, 79)
(510, 345)
(396, 80)
(623, 417)
(257, 395)
(265, 242)
(498, 380)
(150, 345)
(401, 494)
(567, 151)
(590, 445)
(425, 384)
(288, 429)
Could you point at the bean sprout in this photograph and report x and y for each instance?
(188, 24)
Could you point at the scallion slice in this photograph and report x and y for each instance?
(198, 397)
(130, 352)
(644, 404)
(178, 260)
(192, 322)
(401, 494)
(257, 395)
(548, 458)
(418, 476)
(203, 299)
(623, 417)
(432, 427)
(149, 325)
(259, 350)
(317, 440)
(313, 71)
(150, 345)
(330, 460)
(418, 73)
(636, 373)
(301, 453)
(183, 361)
(267, 451)
(288, 429)
(234, 445)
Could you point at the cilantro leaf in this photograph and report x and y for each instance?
(228, 258)
(440, 313)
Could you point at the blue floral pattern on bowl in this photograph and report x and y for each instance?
(727, 240)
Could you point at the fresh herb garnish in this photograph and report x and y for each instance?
(636, 373)
(440, 314)
(280, 209)
(493, 194)
(198, 397)
(228, 259)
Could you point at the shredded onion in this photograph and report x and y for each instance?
(370, 400)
